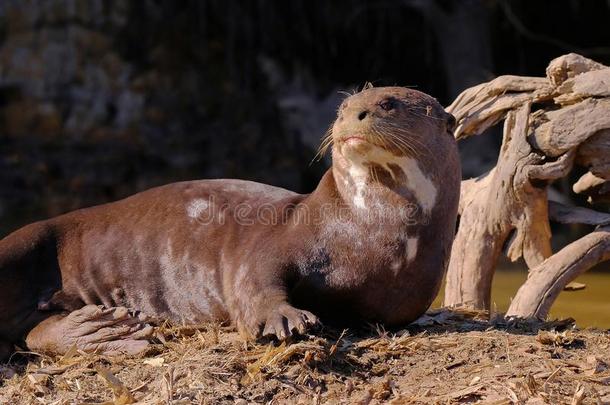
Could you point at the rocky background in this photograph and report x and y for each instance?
(100, 99)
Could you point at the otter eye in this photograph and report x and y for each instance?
(388, 104)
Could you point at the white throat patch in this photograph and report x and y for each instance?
(422, 187)
(359, 175)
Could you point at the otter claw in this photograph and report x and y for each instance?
(282, 322)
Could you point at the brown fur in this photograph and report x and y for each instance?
(190, 252)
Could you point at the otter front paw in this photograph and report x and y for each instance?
(284, 320)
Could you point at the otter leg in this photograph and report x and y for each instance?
(259, 307)
(93, 328)
(279, 320)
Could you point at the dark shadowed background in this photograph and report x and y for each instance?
(100, 99)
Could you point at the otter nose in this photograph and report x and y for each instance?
(362, 115)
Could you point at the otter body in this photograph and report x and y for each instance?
(371, 242)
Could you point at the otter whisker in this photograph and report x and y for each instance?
(402, 144)
(419, 144)
(326, 143)
(396, 142)
(373, 173)
(417, 150)
(379, 138)
(414, 145)
(409, 139)
(367, 85)
(406, 148)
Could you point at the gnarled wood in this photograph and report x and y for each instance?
(554, 132)
(483, 106)
(502, 202)
(595, 188)
(595, 83)
(587, 183)
(509, 206)
(594, 154)
(546, 281)
(570, 65)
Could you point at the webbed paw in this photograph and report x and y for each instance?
(285, 320)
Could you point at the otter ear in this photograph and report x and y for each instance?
(450, 122)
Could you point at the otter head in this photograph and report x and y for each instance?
(392, 137)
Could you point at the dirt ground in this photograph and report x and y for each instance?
(446, 357)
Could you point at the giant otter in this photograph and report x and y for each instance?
(371, 242)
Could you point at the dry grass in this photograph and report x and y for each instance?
(446, 357)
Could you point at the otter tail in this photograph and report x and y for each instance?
(28, 268)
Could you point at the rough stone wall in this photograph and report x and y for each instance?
(99, 99)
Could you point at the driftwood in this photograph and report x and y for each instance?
(546, 281)
(551, 124)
